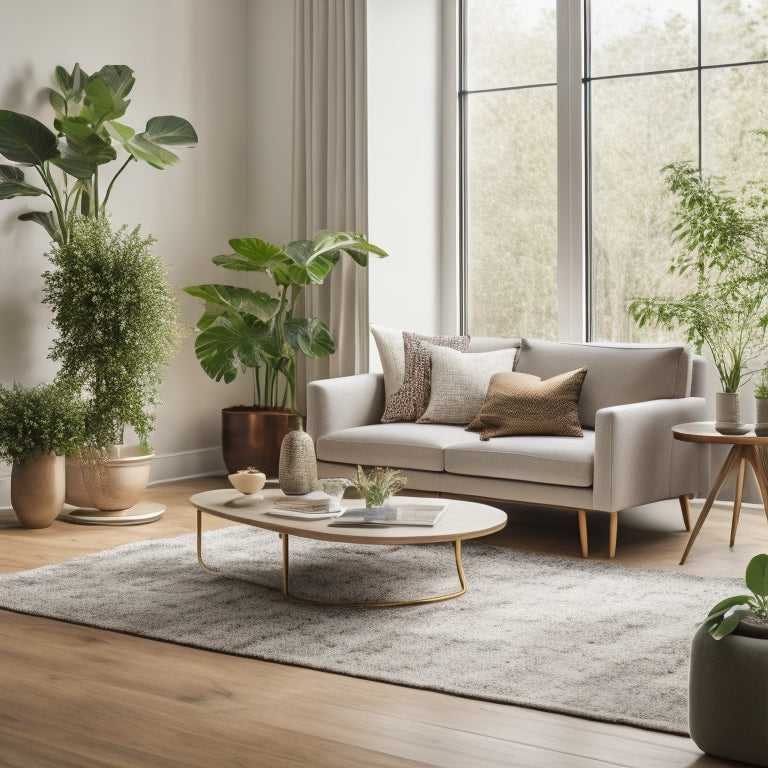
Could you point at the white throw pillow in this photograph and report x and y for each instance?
(389, 343)
(460, 382)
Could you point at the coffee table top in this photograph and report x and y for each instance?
(462, 519)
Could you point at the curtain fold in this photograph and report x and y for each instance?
(330, 169)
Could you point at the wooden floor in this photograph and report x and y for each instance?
(80, 698)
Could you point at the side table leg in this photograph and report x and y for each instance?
(728, 465)
(758, 459)
(200, 544)
(737, 499)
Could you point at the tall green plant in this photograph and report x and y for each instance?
(724, 248)
(243, 329)
(117, 322)
(87, 132)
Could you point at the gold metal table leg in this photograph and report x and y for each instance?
(200, 544)
(384, 604)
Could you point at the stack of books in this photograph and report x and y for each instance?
(313, 506)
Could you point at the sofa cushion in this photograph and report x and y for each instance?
(530, 458)
(460, 382)
(408, 395)
(523, 404)
(403, 445)
(618, 373)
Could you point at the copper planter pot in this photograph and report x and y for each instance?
(251, 436)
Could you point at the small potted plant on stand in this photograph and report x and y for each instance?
(729, 674)
(118, 329)
(761, 405)
(723, 245)
(252, 330)
(38, 427)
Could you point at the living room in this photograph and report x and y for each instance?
(228, 67)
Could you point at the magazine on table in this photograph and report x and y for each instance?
(400, 514)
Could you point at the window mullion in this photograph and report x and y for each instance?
(571, 268)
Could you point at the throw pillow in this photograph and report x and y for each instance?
(389, 343)
(410, 400)
(460, 382)
(523, 404)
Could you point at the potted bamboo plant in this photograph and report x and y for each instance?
(724, 244)
(244, 330)
(39, 426)
(118, 328)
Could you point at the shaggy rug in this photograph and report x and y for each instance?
(565, 635)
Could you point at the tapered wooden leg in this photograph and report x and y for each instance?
(734, 456)
(685, 506)
(583, 532)
(758, 458)
(737, 499)
(613, 528)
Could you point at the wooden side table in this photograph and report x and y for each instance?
(745, 449)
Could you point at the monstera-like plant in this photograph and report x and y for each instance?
(245, 330)
(86, 135)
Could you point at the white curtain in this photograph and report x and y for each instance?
(330, 169)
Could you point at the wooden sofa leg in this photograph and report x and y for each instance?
(583, 532)
(613, 527)
(685, 506)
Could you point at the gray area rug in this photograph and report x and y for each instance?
(564, 635)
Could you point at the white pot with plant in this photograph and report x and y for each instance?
(729, 673)
(243, 330)
(377, 485)
(721, 266)
(38, 427)
(117, 320)
(761, 405)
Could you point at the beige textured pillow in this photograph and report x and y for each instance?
(460, 381)
(408, 402)
(389, 344)
(522, 404)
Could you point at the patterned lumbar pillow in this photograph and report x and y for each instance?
(522, 404)
(409, 401)
(460, 381)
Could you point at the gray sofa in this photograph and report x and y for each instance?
(631, 397)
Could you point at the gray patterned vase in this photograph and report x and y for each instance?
(298, 464)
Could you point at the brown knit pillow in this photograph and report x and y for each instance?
(410, 401)
(521, 404)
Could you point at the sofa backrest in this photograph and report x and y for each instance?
(616, 373)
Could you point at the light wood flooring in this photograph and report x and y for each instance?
(77, 697)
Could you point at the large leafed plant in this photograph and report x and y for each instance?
(87, 132)
(243, 329)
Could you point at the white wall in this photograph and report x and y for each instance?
(405, 113)
(191, 58)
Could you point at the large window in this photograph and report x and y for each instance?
(655, 82)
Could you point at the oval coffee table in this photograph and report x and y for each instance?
(462, 520)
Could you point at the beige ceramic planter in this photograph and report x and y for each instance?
(115, 484)
(37, 490)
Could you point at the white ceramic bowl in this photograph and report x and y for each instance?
(248, 482)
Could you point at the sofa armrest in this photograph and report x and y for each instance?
(637, 460)
(344, 402)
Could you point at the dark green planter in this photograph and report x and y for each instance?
(728, 697)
